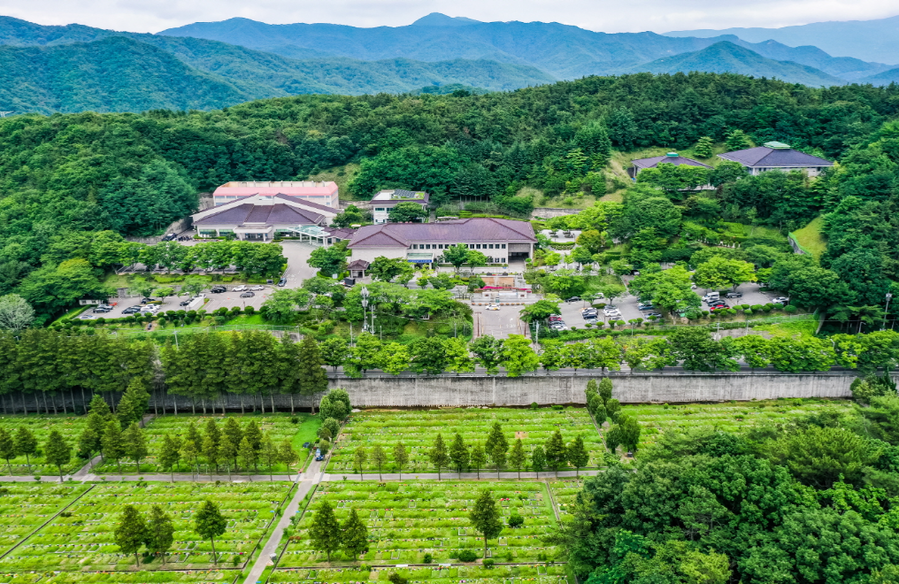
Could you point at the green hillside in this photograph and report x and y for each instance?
(726, 57)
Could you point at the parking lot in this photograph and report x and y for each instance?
(227, 299)
(498, 323)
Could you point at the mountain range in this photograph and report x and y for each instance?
(209, 65)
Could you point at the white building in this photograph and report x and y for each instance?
(384, 201)
(501, 240)
(322, 193)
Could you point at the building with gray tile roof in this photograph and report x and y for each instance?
(384, 201)
(669, 158)
(498, 239)
(264, 217)
(777, 156)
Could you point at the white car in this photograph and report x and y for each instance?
(256, 288)
(781, 300)
(239, 289)
(492, 307)
(150, 308)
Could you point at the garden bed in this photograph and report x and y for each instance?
(407, 520)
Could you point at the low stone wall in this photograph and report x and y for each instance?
(550, 212)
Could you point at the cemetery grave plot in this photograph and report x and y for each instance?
(417, 430)
(470, 574)
(564, 492)
(167, 577)
(40, 425)
(82, 539)
(24, 507)
(278, 426)
(407, 520)
(727, 417)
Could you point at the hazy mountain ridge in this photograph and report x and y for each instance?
(870, 40)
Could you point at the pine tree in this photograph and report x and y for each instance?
(189, 453)
(7, 447)
(99, 407)
(313, 379)
(210, 524)
(478, 458)
(623, 129)
(253, 435)
(134, 402)
(160, 532)
(355, 536)
(324, 533)
(517, 457)
(169, 454)
(26, 444)
(269, 453)
(629, 435)
(438, 455)
(613, 409)
(213, 432)
(737, 140)
(246, 454)
(135, 445)
(95, 427)
(592, 389)
(131, 532)
(485, 517)
(210, 452)
(227, 453)
(497, 446)
(359, 458)
(113, 443)
(88, 443)
(704, 147)
(193, 435)
(234, 433)
(378, 458)
(57, 451)
(605, 389)
(400, 457)
(577, 455)
(555, 452)
(288, 455)
(458, 453)
(538, 460)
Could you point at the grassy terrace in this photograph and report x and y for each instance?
(730, 417)
(24, 507)
(418, 429)
(564, 491)
(81, 539)
(410, 519)
(40, 425)
(279, 426)
(204, 577)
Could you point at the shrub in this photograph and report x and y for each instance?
(489, 562)
(748, 312)
(535, 406)
(467, 556)
(516, 521)
(294, 420)
(428, 559)
(790, 309)
(756, 307)
(767, 308)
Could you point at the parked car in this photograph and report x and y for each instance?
(592, 313)
(647, 306)
(654, 315)
(147, 300)
(240, 288)
(716, 303)
(555, 318)
(218, 289)
(574, 299)
(734, 295)
(282, 282)
(492, 307)
(719, 307)
(590, 320)
(103, 308)
(87, 317)
(185, 302)
(131, 310)
(781, 300)
(318, 454)
(247, 295)
(256, 288)
(150, 308)
(558, 326)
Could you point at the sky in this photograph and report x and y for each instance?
(598, 15)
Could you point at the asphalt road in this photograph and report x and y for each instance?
(499, 323)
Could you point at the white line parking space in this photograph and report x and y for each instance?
(499, 323)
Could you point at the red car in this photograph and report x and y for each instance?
(555, 318)
(719, 307)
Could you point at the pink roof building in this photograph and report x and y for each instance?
(323, 193)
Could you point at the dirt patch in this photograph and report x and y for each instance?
(521, 435)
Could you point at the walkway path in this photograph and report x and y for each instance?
(309, 479)
(485, 475)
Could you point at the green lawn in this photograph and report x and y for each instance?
(811, 238)
(24, 507)
(40, 425)
(469, 574)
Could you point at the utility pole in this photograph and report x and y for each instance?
(885, 311)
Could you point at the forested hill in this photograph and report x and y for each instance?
(134, 174)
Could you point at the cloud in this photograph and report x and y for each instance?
(599, 15)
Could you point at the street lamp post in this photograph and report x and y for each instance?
(885, 311)
(364, 305)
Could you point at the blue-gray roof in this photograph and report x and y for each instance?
(653, 162)
(762, 156)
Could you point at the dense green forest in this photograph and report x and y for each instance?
(133, 174)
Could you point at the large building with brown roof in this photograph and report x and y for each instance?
(777, 156)
(264, 217)
(501, 240)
